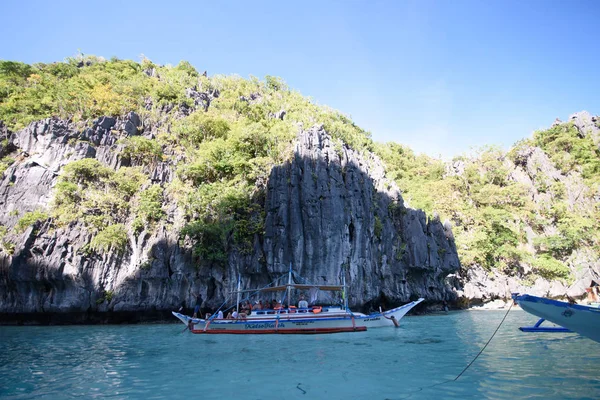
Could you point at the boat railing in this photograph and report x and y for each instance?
(288, 311)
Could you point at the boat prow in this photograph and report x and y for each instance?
(582, 319)
(390, 317)
(186, 319)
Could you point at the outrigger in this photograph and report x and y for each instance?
(292, 320)
(578, 318)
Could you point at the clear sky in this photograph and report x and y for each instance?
(440, 76)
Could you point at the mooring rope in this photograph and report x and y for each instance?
(488, 342)
(472, 361)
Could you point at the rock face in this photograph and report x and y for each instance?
(329, 212)
(332, 212)
(587, 125)
(48, 277)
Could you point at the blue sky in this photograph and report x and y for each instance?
(439, 76)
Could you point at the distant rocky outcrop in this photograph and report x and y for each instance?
(534, 169)
(587, 125)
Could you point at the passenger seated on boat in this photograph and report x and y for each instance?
(258, 305)
(273, 304)
(233, 314)
(302, 303)
(278, 306)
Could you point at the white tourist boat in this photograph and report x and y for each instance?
(582, 319)
(292, 320)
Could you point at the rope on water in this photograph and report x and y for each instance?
(488, 342)
(472, 361)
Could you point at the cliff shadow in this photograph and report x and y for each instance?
(330, 212)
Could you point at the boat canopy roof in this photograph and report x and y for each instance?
(281, 288)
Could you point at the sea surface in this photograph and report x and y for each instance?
(419, 360)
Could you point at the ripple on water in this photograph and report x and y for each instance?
(419, 361)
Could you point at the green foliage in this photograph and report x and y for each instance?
(275, 83)
(570, 151)
(221, 211)
(128, 181)
(550, 268)
(113, 237)
(5, 245)
(90, 192)
(377, 227)
(8, 247)
(200, 127)
(29, 219)
(149, 208)
(141, 150)
(5, 163)
(210, 240)
(85, 172)
(106, 296)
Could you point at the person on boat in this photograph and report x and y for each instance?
(219, 315)
(198, 305)
(278, 306)
(274, 304)
(393, 319)
(258, 305)
(245, 310)
(233, 314)
(302, 303)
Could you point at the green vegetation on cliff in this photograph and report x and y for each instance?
(227, 133)
(502, 221)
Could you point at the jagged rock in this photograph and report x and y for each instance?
(151, 72)
(131, 124)
(455, 168)
(202, 99)
(252, 98)
(6, 146)
(587, 125)
(278, 115)
(484, 286)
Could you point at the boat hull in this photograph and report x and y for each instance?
(584, 320)
(332, 320)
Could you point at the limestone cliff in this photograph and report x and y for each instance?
(328, 211)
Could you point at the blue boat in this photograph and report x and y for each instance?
(582, 319)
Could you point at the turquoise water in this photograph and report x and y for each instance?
(159, 361)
